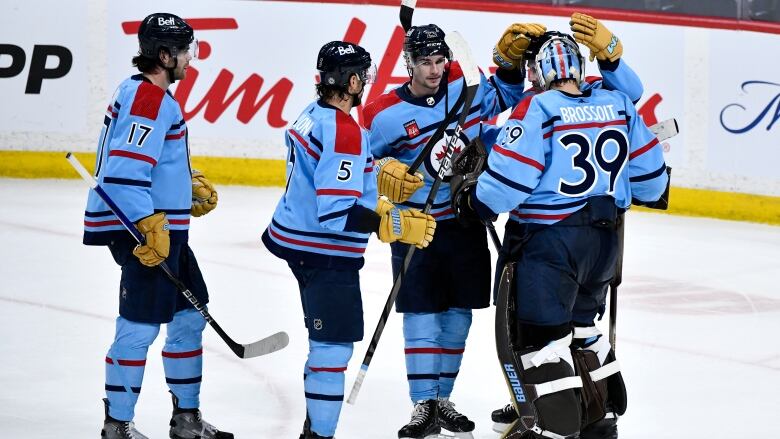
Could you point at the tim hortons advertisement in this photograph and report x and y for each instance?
(256, 70)
(43, 64)
(744, 135)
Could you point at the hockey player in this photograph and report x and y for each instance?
(607, 49)
(322, 224)
(143, 164)
(567, 163)
(452, 276)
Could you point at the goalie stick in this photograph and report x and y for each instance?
(471, 77)
(267, 345)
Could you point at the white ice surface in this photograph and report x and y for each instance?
(698, 328)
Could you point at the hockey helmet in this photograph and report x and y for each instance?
(339, 60)
(424, 40)
(165, 31)
(536, 43)
(558, 58)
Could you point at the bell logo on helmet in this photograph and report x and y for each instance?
(165, 22)
(346, 50)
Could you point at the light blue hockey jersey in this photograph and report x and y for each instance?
(330, 182)
(142, 163)
(557, 150)
(400, 125)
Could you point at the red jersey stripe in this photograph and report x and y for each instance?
(347, 192)
(176, 136)
(576, 126)
(179, 222)
(518, 157)
(305, 144)
(342, 248)
(102, 223)
(132, 155)
(644, 149)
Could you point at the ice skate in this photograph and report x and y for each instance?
(454, 421)
(116, 429)
(503, 418)
(188, 424)
(423, 423)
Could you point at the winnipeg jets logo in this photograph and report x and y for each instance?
(439, 152)
(430, 100)
(412, 130)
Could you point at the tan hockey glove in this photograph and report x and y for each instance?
(602, 43)
(394, 181)
(508, 52)
(158, 242)
(204, 196)
(407, 226)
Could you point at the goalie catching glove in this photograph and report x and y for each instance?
(158, 242)
(406, 226)
(603, 44)
(204, 196)
(395, 182)
(508, 52)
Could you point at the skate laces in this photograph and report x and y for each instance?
(508, 408)
(420, 413)
(448, 408)
(130, 431)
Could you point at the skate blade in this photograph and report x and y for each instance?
(499, 427)
(446, 434)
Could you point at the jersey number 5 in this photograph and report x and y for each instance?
(585, 155)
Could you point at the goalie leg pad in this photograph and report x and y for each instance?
(604, 391)
(550, 370)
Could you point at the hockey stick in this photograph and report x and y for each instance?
(406, 12)
(663, 130)
(267, 345)
(471, 76)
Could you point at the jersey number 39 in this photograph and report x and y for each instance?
(591, 157)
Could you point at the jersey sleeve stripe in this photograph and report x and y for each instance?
(304, 143)
(333, 215)
(347, 192)
(127, 182)
(644, 149)
(102, 223)
(508, 182)
(649, 176)
(132, 155)
(520, 158)
(176, 136)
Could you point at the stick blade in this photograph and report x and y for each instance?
(270, 344)
(406, 13)
(462, 54)
(666, 129)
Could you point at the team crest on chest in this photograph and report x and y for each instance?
(439, 152)
(412, 130)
